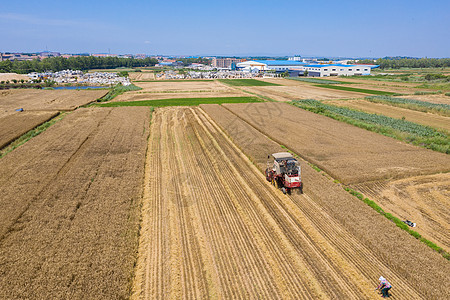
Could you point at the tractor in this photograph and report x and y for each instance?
(284, 172)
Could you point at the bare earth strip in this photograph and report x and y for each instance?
(348, 153)
(302, 91)
(14, 125)
(70, 207)
(359, 236)
(425, 200)
(142, 96)
(56, 100)
(428, 119)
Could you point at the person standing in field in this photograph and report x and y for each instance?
(384, 286)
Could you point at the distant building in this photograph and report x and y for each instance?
(140, 56)
(49, 54)
(295, 58)
(225, 63)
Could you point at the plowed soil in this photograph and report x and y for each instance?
(424, 200)
(428, 119)
(348, 153)
(213, 227)
(14, 125)
(55, 100)
(70, 207)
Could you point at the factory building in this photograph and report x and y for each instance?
(337, 70)
(267, 65)
(296, 68)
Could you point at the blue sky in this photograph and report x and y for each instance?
(352, 28)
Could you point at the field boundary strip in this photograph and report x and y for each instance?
(359, 196)
(30, 134)
(318, 80)
(357, 90)
(247, 82)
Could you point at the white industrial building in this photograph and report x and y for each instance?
(267, 65)
(337, 70)
(296, 67)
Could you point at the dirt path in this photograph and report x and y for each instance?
(213, 227)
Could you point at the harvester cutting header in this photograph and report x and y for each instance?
(284, 172)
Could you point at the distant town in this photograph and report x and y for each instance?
(241, 67)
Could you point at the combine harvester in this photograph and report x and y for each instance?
(284, 172)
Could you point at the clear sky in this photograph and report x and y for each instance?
(352, 28)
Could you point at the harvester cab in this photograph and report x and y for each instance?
(284, 172)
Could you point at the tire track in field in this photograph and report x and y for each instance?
(317, 260)
(364, 263)
(214, 228)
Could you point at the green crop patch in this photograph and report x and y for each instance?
(350, 89)
(403, 130)
(247, 82)
(183, 102)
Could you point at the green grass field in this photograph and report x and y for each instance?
(247, 82)
(183, 101)
(350, 89)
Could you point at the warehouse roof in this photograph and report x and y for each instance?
(281, 62)
(341, 65)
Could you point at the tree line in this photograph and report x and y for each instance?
(73, 63)
(392, 63)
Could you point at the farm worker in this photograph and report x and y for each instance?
(384, 286)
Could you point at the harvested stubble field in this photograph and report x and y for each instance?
(55, 100)
(70, 207)
(213, 227)
(142, 76)
(14, 125)
(428, 119)
(348, 153)
(424, 200)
